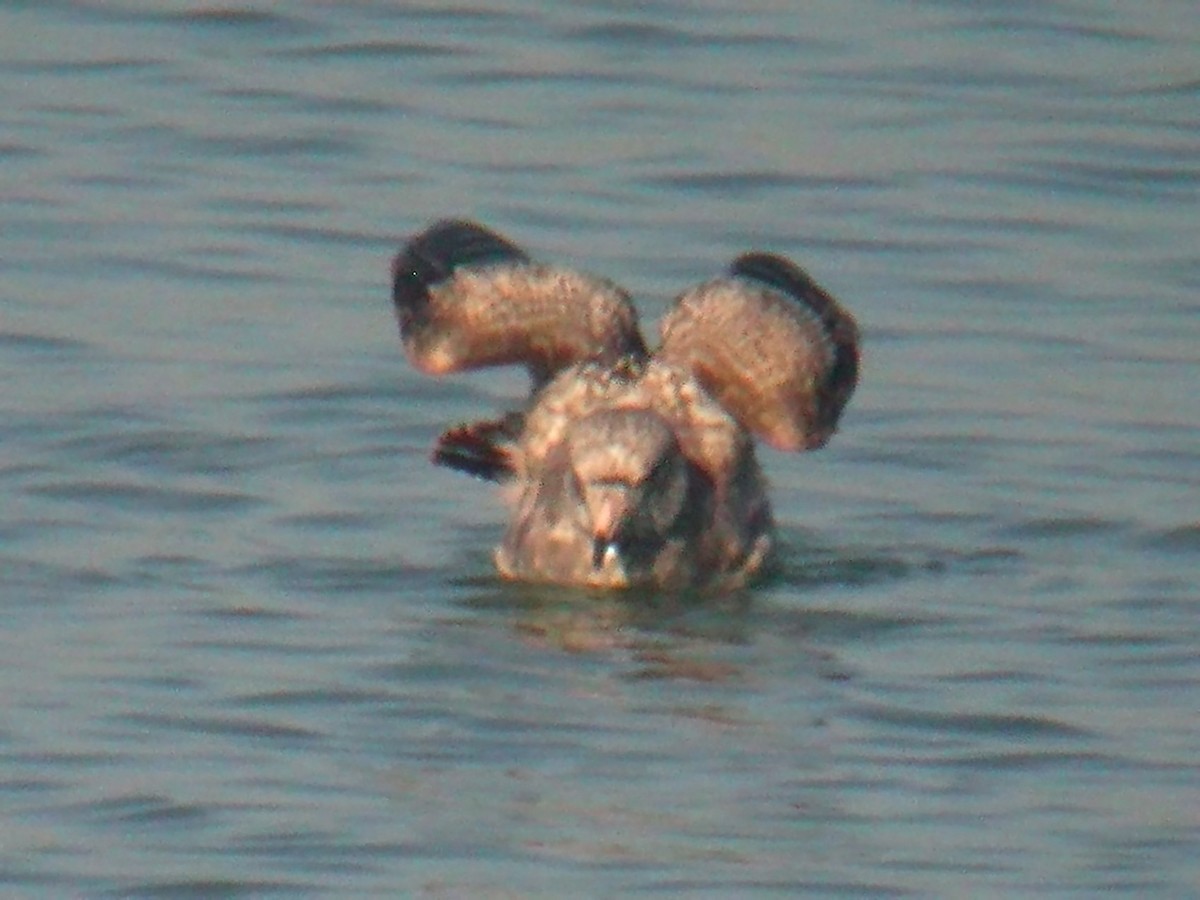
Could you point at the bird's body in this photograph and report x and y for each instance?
(632, 475)
(628, 468)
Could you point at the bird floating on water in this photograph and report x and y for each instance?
(626, 466)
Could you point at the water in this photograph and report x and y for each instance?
(250, 641)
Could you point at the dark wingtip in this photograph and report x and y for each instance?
(481, 449)
(433, 255)
(781, 273)
(477, 467)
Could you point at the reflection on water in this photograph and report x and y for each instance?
(252, 641)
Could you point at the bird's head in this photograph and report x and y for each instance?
(632, 482)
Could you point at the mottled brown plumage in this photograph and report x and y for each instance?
(626, 468)
(466, 297)
(632, 474)
(783, 368)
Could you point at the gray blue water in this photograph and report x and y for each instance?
(251, 643)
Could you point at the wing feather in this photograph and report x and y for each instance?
(467, 297)
(487, 449)
(773, 347)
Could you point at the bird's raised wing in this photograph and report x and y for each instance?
(773, 348)
(466, 297)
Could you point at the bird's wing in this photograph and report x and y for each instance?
(776, 350)
(466, 297)
(488, 449)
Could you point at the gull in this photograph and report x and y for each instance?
(627, 467)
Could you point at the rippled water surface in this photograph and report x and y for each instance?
(251, 642)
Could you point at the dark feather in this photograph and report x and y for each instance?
(433, 255)
(483, 449)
